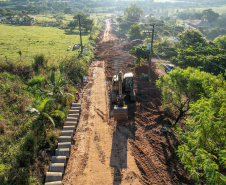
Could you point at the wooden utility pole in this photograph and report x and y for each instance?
(80, 33)
(151, 50)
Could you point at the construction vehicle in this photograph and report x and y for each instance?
(122, 85)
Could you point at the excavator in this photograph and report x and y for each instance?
(122, 85)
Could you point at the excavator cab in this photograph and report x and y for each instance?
(128, 82)
(129, 88)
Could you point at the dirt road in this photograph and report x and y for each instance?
(101, 154)
(134, 153)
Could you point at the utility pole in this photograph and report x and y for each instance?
(151, 50)
(80, 33)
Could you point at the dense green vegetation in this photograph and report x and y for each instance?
(198, 95)
(202, 96)
(39, 76)
(35, 100)
(38, 79)
(197, 52)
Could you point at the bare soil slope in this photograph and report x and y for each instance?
(135, 152)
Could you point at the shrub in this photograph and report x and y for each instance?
(21, 69)
(144, 76)
(40, 62)
(74, 69)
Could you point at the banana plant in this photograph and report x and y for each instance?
(57, 84)
(44, 114)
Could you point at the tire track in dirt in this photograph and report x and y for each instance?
(134, 153)
(153, 151)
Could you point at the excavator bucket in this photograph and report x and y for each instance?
(120, 113)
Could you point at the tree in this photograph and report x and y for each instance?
(166, 33)
(86, 22)
(68, 10)
(212, 34)
(197, 15)
(119, 19)
(3, 12)
(141, 53)
(220, 22)
(221, 42)
(131, 16)
(203, 150)
(191, 37)
(209, 15)
(135, 31)
(133, 13)
(180, 88)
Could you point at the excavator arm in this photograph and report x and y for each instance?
(120, 110)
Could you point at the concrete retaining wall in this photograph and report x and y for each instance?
(59, 162)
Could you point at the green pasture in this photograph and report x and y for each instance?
(220, 9)
(51, 19)
(32, 40)
(45, 18)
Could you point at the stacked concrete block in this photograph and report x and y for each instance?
(70, 123)
(56, 167)
(62, 153)
(62, 139)
(69, 128)
(59, 159)
(67, 133)
(53, 176)
(54, 183)
(64, 145)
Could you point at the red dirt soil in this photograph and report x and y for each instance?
(133, 152)
(153, 151)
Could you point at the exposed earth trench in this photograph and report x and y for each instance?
(135, 152)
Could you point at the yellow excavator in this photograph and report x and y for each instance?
(122, 85)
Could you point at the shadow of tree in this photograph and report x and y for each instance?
(75, 32)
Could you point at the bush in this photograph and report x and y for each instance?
(144, 76)
(40, 62)
(24, 70)
(74, 69)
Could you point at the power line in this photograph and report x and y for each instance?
(159, 57)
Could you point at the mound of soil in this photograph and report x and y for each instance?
(153, 151)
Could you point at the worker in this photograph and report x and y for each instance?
(77, 94)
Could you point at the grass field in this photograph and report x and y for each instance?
(219, 9)
(50, 18)
(33, 40)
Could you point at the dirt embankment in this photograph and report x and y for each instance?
(135, 152)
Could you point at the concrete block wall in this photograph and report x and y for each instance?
(58, 163)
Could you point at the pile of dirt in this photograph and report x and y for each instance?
(116, 58)
(153, 151)
(128, 46)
